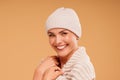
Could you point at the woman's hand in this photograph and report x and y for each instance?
(44, 65)
(52, 73)
(47, 63)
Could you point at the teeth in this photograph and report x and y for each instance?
(61, 47)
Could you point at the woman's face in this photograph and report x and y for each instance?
(63, 41)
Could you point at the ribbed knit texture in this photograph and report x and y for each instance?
(78, 67)
(65, 18)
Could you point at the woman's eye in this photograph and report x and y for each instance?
(50, 35)
(64, 33)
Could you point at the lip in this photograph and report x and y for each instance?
(61, 47)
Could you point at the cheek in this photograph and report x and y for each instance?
(74, 39)
(51, 41)
(71, 40)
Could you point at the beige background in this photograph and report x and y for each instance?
(23, 41)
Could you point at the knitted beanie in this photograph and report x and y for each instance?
(64, 18)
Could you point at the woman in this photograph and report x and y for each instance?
(72, 62)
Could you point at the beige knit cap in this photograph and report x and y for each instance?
(64, 18)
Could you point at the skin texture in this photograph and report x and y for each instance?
(45, 65)
(65, 43)
(52, 73)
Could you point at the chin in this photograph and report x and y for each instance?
(62, 53)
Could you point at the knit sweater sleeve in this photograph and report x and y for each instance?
(79, 72)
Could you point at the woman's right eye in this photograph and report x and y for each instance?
(51, 35)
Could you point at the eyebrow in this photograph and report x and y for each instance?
(59, 32)
(62, 31)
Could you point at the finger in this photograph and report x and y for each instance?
(50, 61)
(56, 68)
(55, 59)
(58, 73)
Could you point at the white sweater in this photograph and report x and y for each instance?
(78, 67)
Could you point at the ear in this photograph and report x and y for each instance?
(77, 38)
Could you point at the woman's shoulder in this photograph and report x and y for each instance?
(83, 69)
(82, 64)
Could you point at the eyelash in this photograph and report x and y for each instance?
(51, 35)
(64, 33)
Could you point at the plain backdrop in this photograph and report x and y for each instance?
(23, 39)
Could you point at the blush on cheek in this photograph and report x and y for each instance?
(68, 38)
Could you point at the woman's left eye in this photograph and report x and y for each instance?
(64, 33)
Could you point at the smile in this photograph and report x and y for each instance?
(61, 47)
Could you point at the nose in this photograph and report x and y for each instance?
(58, 40)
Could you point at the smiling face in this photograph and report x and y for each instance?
(63, 41)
